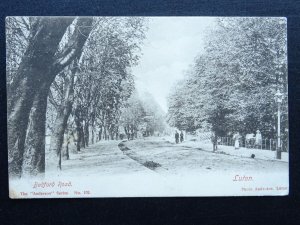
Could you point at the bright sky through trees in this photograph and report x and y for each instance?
(171, 46)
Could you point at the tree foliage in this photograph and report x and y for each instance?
(81, 67)
(231, 85)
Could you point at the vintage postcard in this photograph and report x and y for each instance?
(147, 106)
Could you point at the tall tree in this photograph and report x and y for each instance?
(232, 83)
(41, 62)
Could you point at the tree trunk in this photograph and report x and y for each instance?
(111, 134)
(67, 156)
(34, 68)
(61, 123)
(82, 137)
(100, 133)
(38, 68)
(34, 150)
(16, 130)
(78, 139)
(93, 136)
(65, 151)
(104, 131)
(135, 132)
(86, 133)
(93, 129)
(117, 134)
(126, 131)
(77, 118)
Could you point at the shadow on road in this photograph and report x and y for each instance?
(148, 164)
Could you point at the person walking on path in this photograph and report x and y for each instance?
(236, 138)
(214, 140)
(181, 136)
(258, 139)
(176, 137)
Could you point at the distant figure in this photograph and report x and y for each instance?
(176, 137)
(258, 139)
(181, 136)
(236, 138)
(144, 134)
(129, 135)
(214, 140)
(249, 140)
(132, 135)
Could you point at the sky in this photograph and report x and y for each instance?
(170, 47)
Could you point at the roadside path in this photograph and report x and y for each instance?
(102, 158)
(181, 158)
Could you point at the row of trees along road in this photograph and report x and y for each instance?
(142, 113)
(231, 85)
(66, 74)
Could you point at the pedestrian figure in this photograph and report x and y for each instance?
(258, 139)
(132, 136)
(236, 138)
(176, 137)
(214, 139)
(129, 135)
(181, 136)
(249, 140)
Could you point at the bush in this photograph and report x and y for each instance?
(151, 164)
